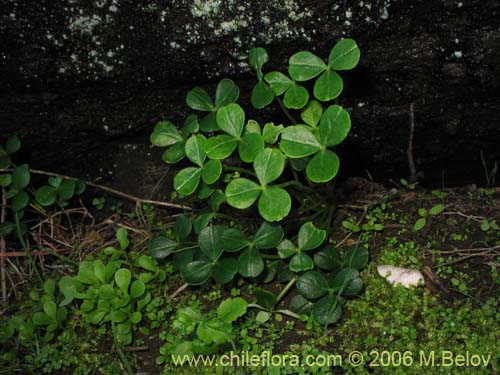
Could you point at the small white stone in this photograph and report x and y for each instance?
(397, 275)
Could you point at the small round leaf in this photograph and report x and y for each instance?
(305, 65)
(227, 92)
(298, 141)
(274, 204)
(269, 165)
(296, 97)
(262, 95)
(231, 119)
(220, 147)
(251, 263)
(198, 99)
(334, 126)
(211, 171)
(323, 166)
(241, 193)
(187, 180)
(344, 55)
(194, 149)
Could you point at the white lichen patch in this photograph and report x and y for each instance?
(85, 24)
(404, 276)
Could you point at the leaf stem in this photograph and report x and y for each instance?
(288, 286)
(238, 169)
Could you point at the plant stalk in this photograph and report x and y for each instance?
(288, 286)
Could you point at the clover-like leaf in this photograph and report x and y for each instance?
(122, 279)
(226, 92)
(198, 99)
(298, 141)
(67, 189)
(301, 262)
(231, 309)
(274, 203)
(220, 146)
(231, 119)
(234, 240)
(241, 193)
(323, 166)
(334, 126)
(209, 122)
(356, 257)
(265, 298)
(165, 134)
(278, 82)
(194, 149)
(197, 272)
(137, 289)
(327, 310)
(312, 113)
(310, 237)
(210, 241)
(262, 95)
(296, 97)
(46, 195)
(344, 55)
(269, 165)
(191, 125)
(305, 65)
(182, 228)
(20, 201)
(268, 236)
(211, 171)
(328, 259)
(328, 86)
(13, 144)
(252, 126)
(187, 180)
(347, 282)
(286, 249)
(312, 285)
(271, 132)
(301, 305)
(250, 145)
(20, 177)
(161, 247)
(174, 153)
(225, 270)
(251, 263)
(257, 57)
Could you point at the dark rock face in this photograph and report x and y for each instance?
(84, 82)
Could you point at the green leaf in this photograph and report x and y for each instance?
(234, 240)
(301, 262)
(191, 125)
(210, 241)
(323, 166)
(21, 177)
(194, 149)
(269, 165)
(41, 319)
(296, 97)
(274, 204)
(107, 292)
(300, 305)
(327, 310)
(304, 66)
(241, 193)
(67, 189)
(49, 287)
(55, 181)
(161, 247)
(328, 86)
(250, 145)
(182, 228)
(252, 126)
(122, 279)
(231, 119)
(211, 171)
(251, 263)
(262, 317)
(278, 82)
(202, 221)
(312, 113)
(46, 195)
(212, 331)
(5, 180)
(268, 236)
(187, 180)
(271, 132)
(231, 309)
(334, 126)
(262, 95)
(99, 270)
(257, 57)
(147, 262)
(198, 99)
(118, 316)
(328, 259)
(225, 270)
(174, 153)
(299, 164)
(227, 92)
(344, 55)
(312, 285)
(197, 272)
(220, 147)
(13, 144)
(50, 308)
(356, 257)
(80, 187)
(297, 142)
(419, 224)
(264, 297)
(310, 237)
(286, 249)
(165, 134)
(209, 122)
(137, 289)
(347, 282)
(216, 199)
(436, 210)
(20, 201)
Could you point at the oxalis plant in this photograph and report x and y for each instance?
(273, 169)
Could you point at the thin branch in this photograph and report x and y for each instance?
(411, 160)
(109, 190)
